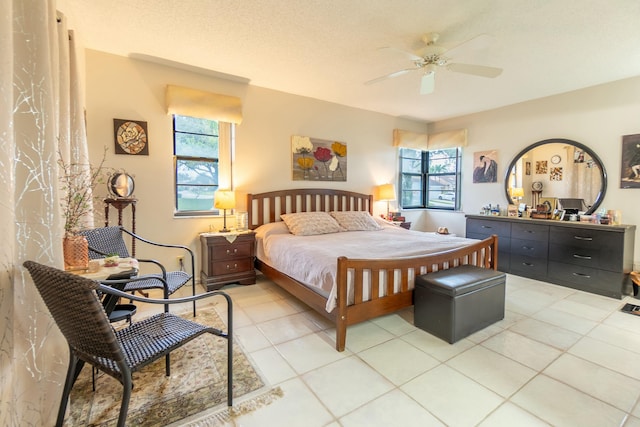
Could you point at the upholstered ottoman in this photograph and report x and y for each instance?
(452, 304)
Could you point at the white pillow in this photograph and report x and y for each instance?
(266, 230)
(311, 223)
(356, 220)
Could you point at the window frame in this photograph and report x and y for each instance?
(425, 159)
(177, 158)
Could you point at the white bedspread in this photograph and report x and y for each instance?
(312, 259)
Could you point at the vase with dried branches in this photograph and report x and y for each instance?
(77, 184)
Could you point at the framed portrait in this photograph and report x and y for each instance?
(630, 163)
(131, 137)
(485, 166)
(527, 168)
(555, 173)
(318, 159)
(541, 167)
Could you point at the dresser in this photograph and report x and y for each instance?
(589, 257)
(227, 258)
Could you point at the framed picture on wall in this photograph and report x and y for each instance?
(630, 163)
(485, 166)
(318, 160)
(131, 137)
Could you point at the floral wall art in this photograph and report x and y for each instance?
(318, 160)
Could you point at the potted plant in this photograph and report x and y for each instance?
(77, 183)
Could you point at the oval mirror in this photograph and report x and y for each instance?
(121, 185)
(565, 173)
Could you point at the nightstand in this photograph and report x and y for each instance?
(227, 258)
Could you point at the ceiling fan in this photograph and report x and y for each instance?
(432, 56)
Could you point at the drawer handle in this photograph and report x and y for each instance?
(528, 248)
(581, 256)
(582, 275)
(529, 231)
(232, 268)
(235, 251)
(486, 226)
(528, 264)
(583, 238)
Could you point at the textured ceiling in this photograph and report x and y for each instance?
(327, 49)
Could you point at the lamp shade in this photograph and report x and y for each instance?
(224, 199)
(386, 192)
(517, 192)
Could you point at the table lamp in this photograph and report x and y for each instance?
(517, 193)
(386, 192)
(224, 199)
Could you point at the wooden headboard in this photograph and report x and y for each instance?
(265, 208)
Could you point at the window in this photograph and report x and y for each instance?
(430, 179)
(196, 154)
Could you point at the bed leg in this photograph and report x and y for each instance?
(341, 334)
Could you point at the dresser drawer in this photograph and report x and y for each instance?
(592, 256)
(528, 266)
(586, 238)
(536, 232)
(531, 248)
(231, 266)
(237, 249)
(486, 227)
(587, 279)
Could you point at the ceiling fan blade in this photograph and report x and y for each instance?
(389, 76)
(410, 55)
(428, 83)
(476, 70)
(478, 42)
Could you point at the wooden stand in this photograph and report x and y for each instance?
(121, 204)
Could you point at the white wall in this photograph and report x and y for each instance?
(124, 88)
(597, 117)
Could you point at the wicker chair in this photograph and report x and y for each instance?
(76, 309)
(109, 240)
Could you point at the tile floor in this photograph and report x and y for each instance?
(560, 357)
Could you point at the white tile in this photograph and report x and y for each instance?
(298, 407)
(310, 352)
(561, 405)
(287, 328)
(346, 384)
(398, 360)
(528, 301)
(616, 336)
(565, 320)
(393, 409)
(602, 383)
(452, 397)
(362, 336)
(436, 347)
(613, 357)
(529, 352)
(395, 324)
(270, 310)
(510, 415)
(250, 338)
(492, 370)
(581, 310)
(546, 333)
(626, 321)
(272, 366)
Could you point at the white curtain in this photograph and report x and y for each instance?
(40, 114)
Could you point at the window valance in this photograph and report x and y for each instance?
(423, 141)
(206, 105)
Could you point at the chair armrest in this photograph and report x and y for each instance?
(165, 245)
(110, 290)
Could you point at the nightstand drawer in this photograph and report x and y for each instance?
(231, 266)
(236, 249)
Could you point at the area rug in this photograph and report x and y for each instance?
(197, 383)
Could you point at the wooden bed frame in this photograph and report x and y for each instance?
(266, 208)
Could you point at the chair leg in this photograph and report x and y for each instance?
(68, 383)
(126, 396)
(167, 364)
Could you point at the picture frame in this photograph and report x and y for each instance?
(630, 162)
(315, 159)
(512, 210)
(485, 166)
(131, 137)
(553, 202)
(558, 215)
